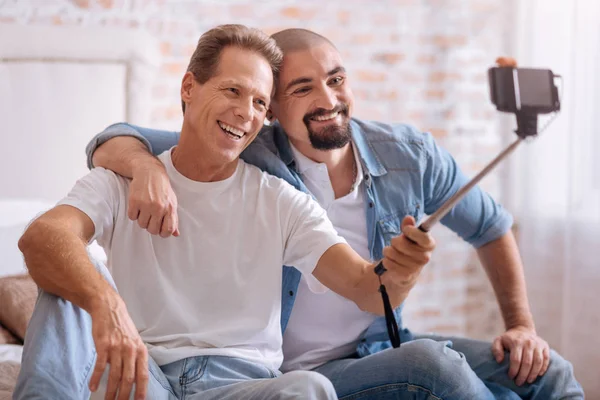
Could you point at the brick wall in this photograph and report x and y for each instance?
(417, 61)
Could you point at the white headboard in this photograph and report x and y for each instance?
(59, 86)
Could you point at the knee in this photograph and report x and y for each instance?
(559, 380)
(310, 385)
(436, 357)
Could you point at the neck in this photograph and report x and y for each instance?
(191, 160)
(340, 165)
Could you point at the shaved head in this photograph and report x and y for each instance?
(313, 102)
(296, 39)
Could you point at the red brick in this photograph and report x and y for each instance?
(362, 38)
(174, 68)
(388, 58)
(106, 3)
(426, 59)
(444, 76)
(298, 13)
(166, 49)
(438, 133)
(242, 10)
(81, 3)
(434, 94)
(387, 95)
(343, 17)
(427, 313)
(444, 41)
(370, 76)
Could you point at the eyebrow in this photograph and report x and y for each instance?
(303, 79)
(240, 85)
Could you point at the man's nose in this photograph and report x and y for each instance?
(244, 110)
(327, 99)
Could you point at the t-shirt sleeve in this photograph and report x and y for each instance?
(308, 232)
(97, 195)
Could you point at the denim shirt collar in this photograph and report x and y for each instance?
(370, 160)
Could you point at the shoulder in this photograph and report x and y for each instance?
(400, 133)
(394, 144)
(265, 179)
(102, 181)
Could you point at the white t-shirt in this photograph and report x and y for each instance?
(216, 289)
(327, 326)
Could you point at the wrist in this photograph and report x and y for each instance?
(523, 323)
(146, 166)
(100, 299)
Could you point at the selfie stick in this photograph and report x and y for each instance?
(451, 202)
(527, 126)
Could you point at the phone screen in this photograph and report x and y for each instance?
(535, 87)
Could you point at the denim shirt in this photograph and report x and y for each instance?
(406, 173)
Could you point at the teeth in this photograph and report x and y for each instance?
(231, 129)
(326, 117)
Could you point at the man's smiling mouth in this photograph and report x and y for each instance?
(326, 117)
(232, 131)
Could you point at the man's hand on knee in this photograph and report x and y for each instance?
(119, 344)
(529, 354)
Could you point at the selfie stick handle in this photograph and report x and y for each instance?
(451, 202)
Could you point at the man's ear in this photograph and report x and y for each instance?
(187, 87)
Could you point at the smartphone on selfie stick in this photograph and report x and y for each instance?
(525, 92)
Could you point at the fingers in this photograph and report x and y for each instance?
(141, 366)
(144, 219)
(155, 218)
(128, 374)
(423, 239)
(155, 224)
(538, 363)
(169, 225)
(133, 211)
(114, 376)
(506, 62)
(101, 360)
(526, 363)
(407, 256)
(498, 350)
(546, 356)
(516, 355)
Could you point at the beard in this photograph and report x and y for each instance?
(330, 137)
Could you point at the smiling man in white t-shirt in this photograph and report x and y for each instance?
(205, 306)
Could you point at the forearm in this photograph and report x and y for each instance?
(342, 270)
(504, 268)
(369, 300)
(58, 262)
(125, 155)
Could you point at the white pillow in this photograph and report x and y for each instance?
(15, 215)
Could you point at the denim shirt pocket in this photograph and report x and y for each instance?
(391, 224)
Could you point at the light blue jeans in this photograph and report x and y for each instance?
(433, 367)
(59, 356)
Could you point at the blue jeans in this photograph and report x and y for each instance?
(59, 357)
(433, 367)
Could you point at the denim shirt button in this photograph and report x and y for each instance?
(291, 292)
(371, 204)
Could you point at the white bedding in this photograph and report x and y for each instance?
(11, 352)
